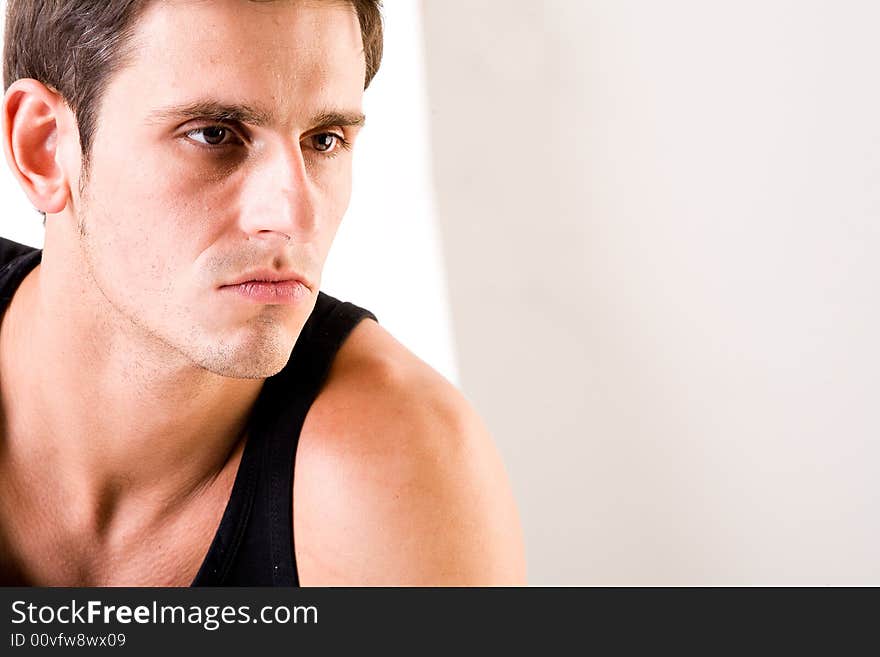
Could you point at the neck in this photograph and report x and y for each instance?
(113, 416)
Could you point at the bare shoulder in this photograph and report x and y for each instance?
(397, 480)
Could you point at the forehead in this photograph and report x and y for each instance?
(285, 54)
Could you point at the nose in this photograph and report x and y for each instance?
(279, 197)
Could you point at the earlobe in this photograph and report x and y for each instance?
(31, 117)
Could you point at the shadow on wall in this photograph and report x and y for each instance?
(511, 213)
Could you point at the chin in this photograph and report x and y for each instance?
(250, 359)
(253, 368)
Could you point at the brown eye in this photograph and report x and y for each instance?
(324, 142)
(214, 135)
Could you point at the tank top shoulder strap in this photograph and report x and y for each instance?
(254, 545)
(16, 262)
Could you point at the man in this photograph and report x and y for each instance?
(167, 358)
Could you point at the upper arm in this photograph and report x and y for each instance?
(398, 481)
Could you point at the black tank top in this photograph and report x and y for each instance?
(254, 544)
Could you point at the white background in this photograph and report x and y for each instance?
(657, 226)
(661, 231)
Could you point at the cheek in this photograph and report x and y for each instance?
(144, 232)
(333, 187)
(195, 208)
(191, 200)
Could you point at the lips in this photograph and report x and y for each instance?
(269, 276)
(270, 292)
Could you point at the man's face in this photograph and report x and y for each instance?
(220, 150)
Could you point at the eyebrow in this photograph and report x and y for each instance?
(241, 113)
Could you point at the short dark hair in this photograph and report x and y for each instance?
(74, 46)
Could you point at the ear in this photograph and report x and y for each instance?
(33, 116)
